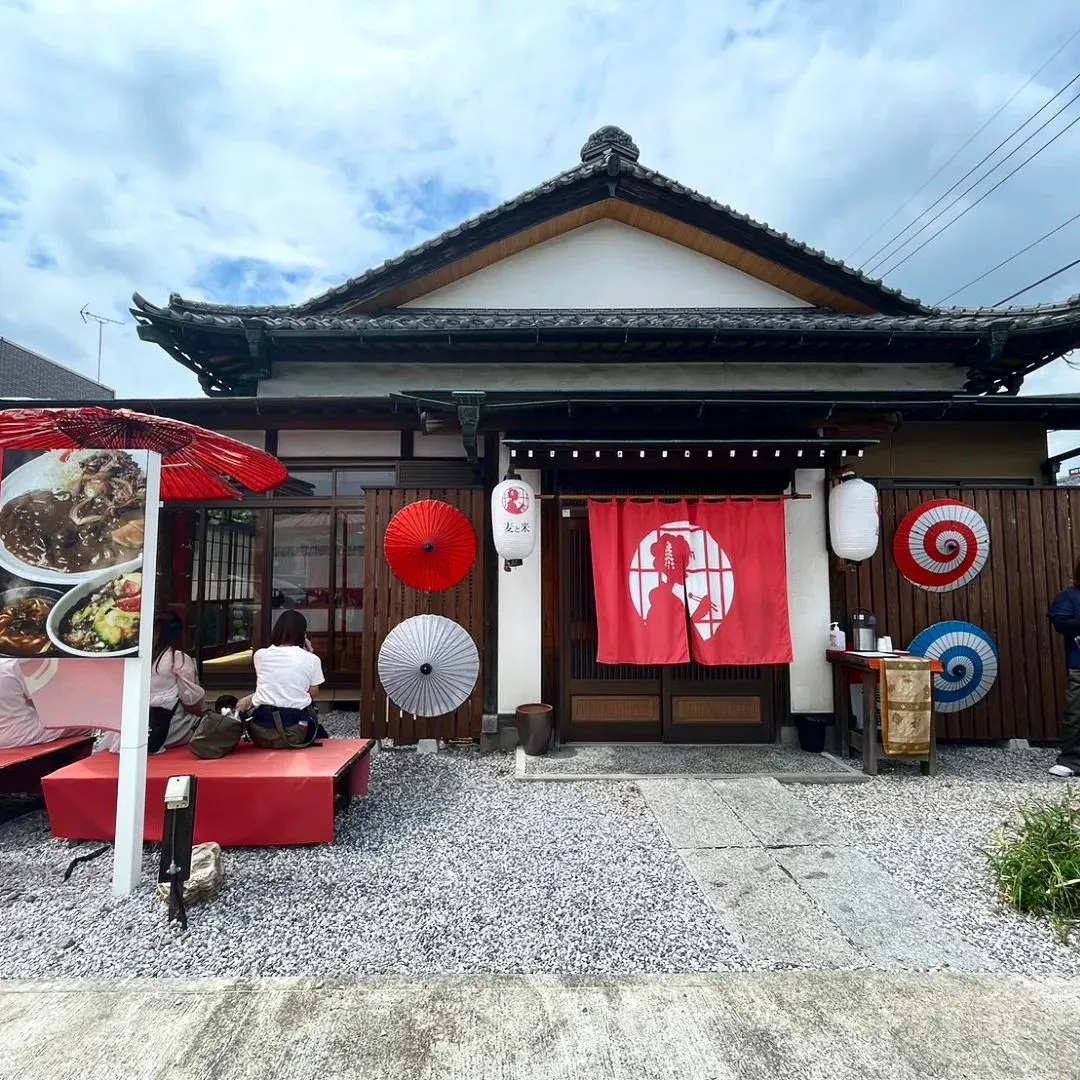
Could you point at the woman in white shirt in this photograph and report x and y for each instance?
(176, 698)
(20, 724)
(288, 675)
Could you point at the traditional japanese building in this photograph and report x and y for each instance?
(612, 332)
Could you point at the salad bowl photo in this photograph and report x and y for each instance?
(98, 618)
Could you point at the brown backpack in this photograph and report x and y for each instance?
(216, 735)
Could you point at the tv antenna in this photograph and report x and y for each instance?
(101, 320)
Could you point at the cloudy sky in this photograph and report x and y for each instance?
(261, 152)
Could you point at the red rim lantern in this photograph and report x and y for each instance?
(430, 545)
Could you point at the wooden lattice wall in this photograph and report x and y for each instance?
(387, 602)
(1033, 549)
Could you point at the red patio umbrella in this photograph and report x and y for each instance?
(195, 463)
(430, 545)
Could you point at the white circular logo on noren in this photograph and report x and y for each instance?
(679, 570)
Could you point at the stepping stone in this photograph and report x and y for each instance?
(692, 815)
(775, 816)
(771, 919)
(890, 925)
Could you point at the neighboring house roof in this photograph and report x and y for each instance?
(28, 375)
(232, 347)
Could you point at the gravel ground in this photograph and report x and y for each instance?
(450, 865)
(928, 832)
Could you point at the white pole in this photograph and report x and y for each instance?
(135, 717)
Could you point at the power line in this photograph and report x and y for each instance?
(1005, 262)
(1036, 284)
(989, 191)
(888, 243)
(907, 202)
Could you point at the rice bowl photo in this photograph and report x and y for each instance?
(67, 516)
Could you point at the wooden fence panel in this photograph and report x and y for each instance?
(1032, 554)
(387, 602)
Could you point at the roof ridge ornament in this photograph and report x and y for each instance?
(609, 140)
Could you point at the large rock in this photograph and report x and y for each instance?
(207, 875)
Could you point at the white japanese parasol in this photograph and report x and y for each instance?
(428, 665)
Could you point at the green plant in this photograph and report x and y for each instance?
(1035, 861)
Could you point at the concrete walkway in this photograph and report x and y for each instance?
(797, 1025)
(790, 891)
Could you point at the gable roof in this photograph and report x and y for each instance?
(232, 347)
(609, 181)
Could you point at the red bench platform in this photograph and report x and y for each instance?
(22, 767)
(251, 798)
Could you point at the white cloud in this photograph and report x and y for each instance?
(144, 143)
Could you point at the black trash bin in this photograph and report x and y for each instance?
(812, 731)
(534, 728)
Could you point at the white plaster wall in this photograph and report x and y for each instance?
(520, 619)
(339, 444)
(374, 380)
(607, 264)
(443, 445)
(808, 595)
(250, 438)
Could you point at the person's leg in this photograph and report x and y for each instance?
(52, 734)
(1069, 757)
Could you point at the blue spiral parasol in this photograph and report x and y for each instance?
(970, 659)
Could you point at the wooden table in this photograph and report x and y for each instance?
(866, 742)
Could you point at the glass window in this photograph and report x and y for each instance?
(228, 630)
(301, 570)
(354, 481)
(307, 483)
(349, 591)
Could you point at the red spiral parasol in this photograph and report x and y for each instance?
(430, 545)
(195, 463)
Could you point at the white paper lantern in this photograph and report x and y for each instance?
(514, 520)
(854, 519)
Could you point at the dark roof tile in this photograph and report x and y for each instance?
(801, 319)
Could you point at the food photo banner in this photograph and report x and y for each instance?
(72, 528)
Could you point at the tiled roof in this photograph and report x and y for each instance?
(477, 320)
(26, 374)
(609, 152)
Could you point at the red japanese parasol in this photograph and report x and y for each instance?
(196, 464)
(430, 545)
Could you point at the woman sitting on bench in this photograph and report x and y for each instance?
(176, 698)
(20, 724)
(288, 675)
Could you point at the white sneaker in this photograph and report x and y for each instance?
(1062, 772)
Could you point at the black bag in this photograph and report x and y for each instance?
(160, 722)
(216, 735)
(280, 736)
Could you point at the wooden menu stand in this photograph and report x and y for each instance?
(866, 742)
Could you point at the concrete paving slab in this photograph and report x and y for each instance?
(892, 926)
(772, 920)
(776, 1026)
(775, 816)
(634, 761)
(692, 815)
